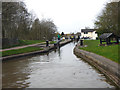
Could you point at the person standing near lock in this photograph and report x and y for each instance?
(59, 37)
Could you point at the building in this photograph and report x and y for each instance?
(88, 34)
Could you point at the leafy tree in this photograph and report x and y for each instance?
(108, 20)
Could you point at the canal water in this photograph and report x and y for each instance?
(57, 69)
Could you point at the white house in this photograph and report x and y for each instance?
(89, 33)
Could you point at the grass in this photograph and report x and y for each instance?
(24, 50)
(26, 42)
(110, 52)
(52, 42)
(20, 51)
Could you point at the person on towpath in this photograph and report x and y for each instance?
(59, 37)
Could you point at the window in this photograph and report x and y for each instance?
(85, 32)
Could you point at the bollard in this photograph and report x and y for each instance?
(47, 43)
(55, 45)
(77, 39)
(81, 42)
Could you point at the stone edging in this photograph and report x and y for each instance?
(106, 66)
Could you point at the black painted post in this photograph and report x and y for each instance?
(117, 40)
(100, 41)
(107, 41)
(78, 38)
(47, 43)
(81, 42)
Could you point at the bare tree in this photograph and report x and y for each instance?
(17, 22)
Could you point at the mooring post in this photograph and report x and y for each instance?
(47, 43)
(81, 42)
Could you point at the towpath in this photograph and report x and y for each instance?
(19, 47)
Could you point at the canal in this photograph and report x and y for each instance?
(57, 69)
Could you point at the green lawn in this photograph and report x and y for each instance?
(26, 42)
(110, 51)
(52, 42)
(24, 50)
(19, 51)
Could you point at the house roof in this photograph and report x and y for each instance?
(105, 35)
(87, 30)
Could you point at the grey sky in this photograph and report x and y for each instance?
(68, 15)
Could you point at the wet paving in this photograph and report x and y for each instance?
(57, 69)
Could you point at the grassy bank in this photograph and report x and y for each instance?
(110, 52)
(26, 42)
(24, 50)
(20, 51)
(52, 42)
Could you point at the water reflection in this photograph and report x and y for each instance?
(57, 69)
(15, 74)
(59, 52)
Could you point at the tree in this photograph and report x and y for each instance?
(15, 20)
(49, 28)
(87, 27)
(62, 33)
(43, 30)
(107, 22)
(18, 23)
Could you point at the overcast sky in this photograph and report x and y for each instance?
(68, 15)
